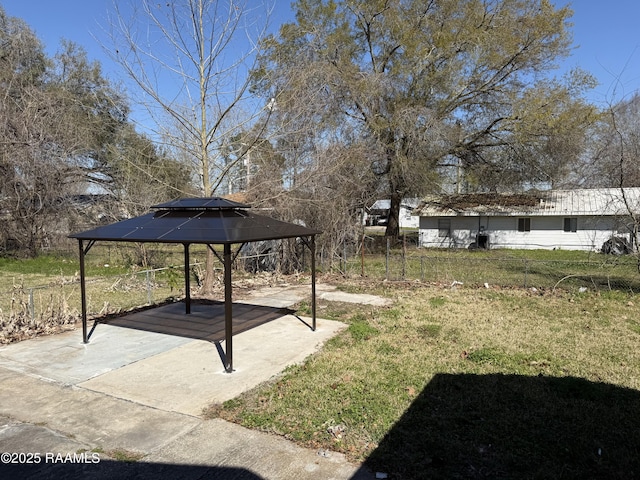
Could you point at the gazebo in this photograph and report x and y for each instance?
(207, 221)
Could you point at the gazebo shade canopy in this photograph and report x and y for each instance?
(198, 220)
(214, 203)
(209, 221)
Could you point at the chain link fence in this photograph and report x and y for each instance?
(30, 310)
(400, 260)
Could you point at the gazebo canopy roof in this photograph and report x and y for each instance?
(198, 220)
(207, 221)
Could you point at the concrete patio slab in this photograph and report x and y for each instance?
(64, 358)
(24, 437)
(190, 377)
(361, 298)
(264, 455)
(88, 417)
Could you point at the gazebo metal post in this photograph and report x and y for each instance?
(312, 247)
(83, 289)
(228, 309)
(227, 259)
(83, 294)
(187, 282)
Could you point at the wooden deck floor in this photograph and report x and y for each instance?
(205, 322)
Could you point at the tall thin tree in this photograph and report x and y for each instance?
(188, 61)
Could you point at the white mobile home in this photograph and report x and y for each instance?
(581, 219)
(377, 213)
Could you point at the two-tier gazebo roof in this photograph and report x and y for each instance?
(207, 221)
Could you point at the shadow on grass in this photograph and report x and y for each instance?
(509, 426)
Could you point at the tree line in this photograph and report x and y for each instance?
(349, 102)
(66, 135)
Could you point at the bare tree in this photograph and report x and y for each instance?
(613, 153)
(621, 160)
(306, 172)
(189, 60)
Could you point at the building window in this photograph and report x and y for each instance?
(571, 224)
(444, 227)
(524, 224)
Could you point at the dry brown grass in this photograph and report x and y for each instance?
(34, 313)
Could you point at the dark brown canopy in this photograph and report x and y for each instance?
(208, 221)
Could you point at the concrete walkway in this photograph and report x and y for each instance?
(141, 395)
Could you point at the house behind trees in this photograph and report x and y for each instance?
(582, 219)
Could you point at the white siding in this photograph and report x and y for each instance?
(463, 232)
(547, 232)
(407, 220)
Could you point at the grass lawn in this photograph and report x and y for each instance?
(564, 269)
(467, 383)
(464, 382)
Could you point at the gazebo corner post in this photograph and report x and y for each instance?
(228, 309)
(83, 293)
(187, 280)
(313, 282)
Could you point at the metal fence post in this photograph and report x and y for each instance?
(404, 256)
(344, 259)
(386, 263)
(32, 309)
(149, 293)
(362, 256)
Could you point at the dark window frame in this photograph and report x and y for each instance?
(524, 224)
(444, 231)
(570, 224)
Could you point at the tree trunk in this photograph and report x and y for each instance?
(209, 277)
(393, 225)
